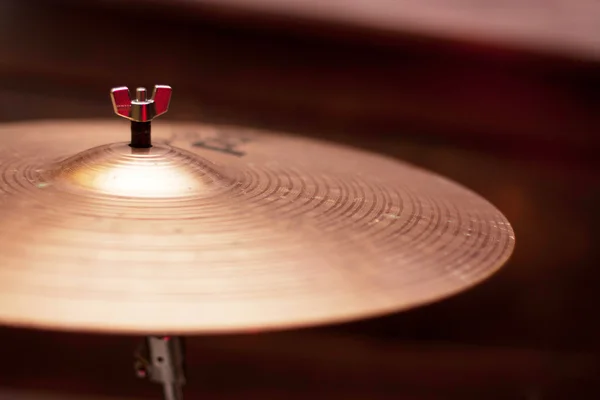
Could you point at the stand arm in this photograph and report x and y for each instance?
(161, 360)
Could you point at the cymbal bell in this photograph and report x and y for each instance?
(223, 229)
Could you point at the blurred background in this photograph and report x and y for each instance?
(501, 96)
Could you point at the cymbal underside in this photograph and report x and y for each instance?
(220, 229)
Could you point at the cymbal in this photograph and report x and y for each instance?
(224, 229)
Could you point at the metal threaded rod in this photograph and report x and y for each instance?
(141, 137)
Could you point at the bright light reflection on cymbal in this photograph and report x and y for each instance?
(116, 171)
(139, 180)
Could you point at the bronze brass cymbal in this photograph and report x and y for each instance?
(220, 229)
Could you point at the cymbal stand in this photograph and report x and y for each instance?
(161, 360)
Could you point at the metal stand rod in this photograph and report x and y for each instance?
(161, 360)
(172, 392)
(141, 137)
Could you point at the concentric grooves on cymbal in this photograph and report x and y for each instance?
(292, 232)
